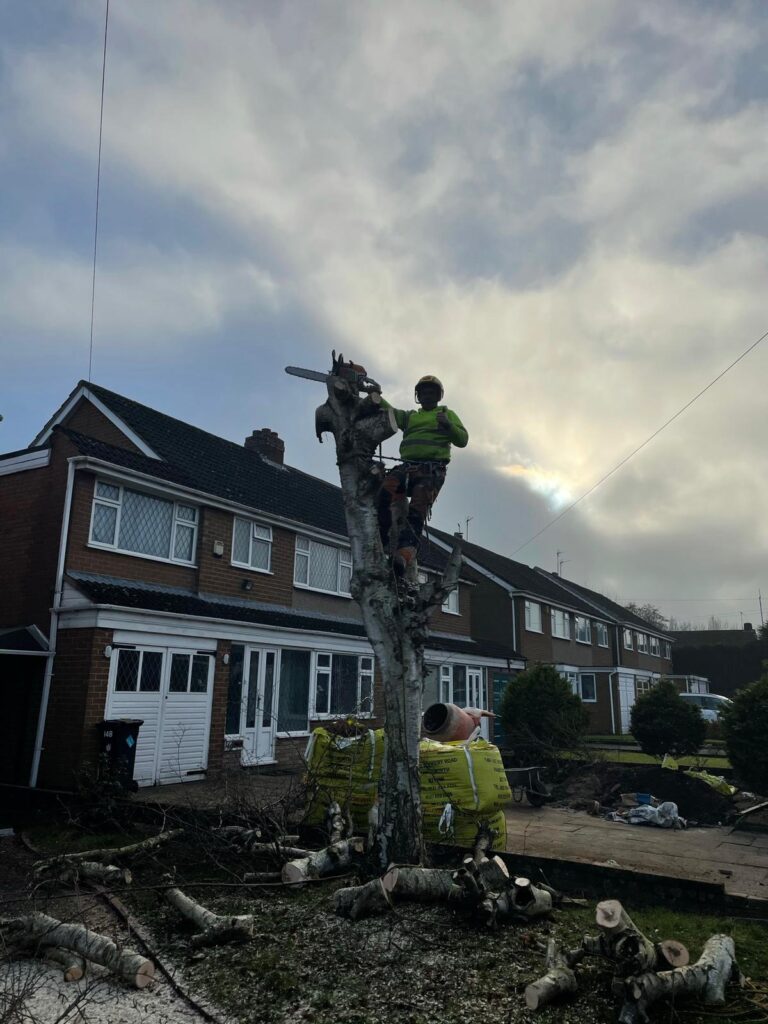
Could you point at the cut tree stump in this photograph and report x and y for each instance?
(559, 980)
(322, 863)
(215, 929)
(48, 931)
(707, 979)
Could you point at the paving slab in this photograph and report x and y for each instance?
(739, 862)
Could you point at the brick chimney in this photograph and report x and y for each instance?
(267, 443)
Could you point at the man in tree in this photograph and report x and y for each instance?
(425, 450)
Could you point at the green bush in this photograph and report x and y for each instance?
(745, 728)
(541, 716)
(663, 723)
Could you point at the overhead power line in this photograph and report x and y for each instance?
(640, 447)
(98, 187)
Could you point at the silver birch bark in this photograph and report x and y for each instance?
(396, 629)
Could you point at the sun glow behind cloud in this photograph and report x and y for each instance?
(554, 489)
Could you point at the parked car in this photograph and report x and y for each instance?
(710, 704)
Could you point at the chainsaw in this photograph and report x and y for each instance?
(349, 371)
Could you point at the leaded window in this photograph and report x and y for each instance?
(343, 684)
(143, 524)
(322, 566)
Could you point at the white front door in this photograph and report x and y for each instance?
(170, 690)
(476, 697)
(257, 723)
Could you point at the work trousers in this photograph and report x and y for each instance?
(410, 490)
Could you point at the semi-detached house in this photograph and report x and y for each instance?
(152, 570)
(608, 654)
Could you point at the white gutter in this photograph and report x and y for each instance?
(54, 625)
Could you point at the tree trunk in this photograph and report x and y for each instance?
(111, 856)
(424, 885)
(75, 872)
(706, 978)
(558, 981)
(323, 862)
(37, 927)
(215, 929)
(396, 628)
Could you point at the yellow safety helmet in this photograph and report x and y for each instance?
(428, 379)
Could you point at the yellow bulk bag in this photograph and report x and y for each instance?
(456, 828)
(470, 776)
(346, 769)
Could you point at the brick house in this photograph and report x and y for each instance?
(153, 570)
(608, 654)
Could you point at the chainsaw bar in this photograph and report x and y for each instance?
(363, 381)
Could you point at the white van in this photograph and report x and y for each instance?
(710, 704)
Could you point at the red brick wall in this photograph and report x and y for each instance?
(76, 705)
(112, 563)
(86, 419)
(600, 712)
(546, 648)
(219, 576)
(219, 707)
(458, 625)
(31, 507)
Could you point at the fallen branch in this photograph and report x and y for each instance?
(76, 872)
(214, 928)
(48, 931)
(320, 863)
(706, 978)
(73, 964)
(557, 982)
(109, 856)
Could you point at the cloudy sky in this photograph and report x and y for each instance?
(557, 207)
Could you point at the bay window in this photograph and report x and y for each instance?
(142, 524)
(322, 567)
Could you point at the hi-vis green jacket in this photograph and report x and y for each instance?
(423, 441)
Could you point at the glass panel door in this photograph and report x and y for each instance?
(258, 715)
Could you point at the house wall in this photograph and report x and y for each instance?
(546, 648)
(31, 506)
(644, 662)
(219, 576)
(600, 712)
(492, 617)
(75, 706)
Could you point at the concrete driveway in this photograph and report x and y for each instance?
(739, 860)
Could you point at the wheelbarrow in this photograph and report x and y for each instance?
(526, 782)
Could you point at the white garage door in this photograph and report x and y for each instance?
(171, 691)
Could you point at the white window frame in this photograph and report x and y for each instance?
(644, 684)
(628, 644)
(601, 629)
(666, 648)
(565, 617)
(364, 671)
(117, 503)
(451, 603)
(655, 646)
(642, 643)
(580, 691)
(253, 526)
(530, 618)
(344, 558)
(583, 630)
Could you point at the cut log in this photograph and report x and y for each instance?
(38, 927)
(707, 979)
(423, 885)
(557, 982)
(74, 965)
(215, 929)
(621, 941)
(337, 824)
(516, 903)
(323, 862)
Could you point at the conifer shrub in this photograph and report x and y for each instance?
(541, 717)
(663, 723)
(745, 727)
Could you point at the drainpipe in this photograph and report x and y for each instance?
(54, 626)
(610, 697)
(514, 624)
